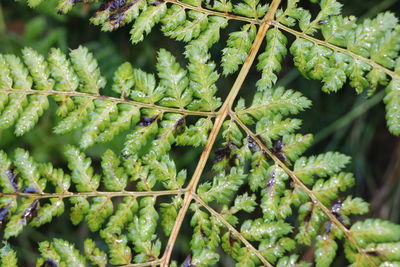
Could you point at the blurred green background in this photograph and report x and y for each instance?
(345, 122)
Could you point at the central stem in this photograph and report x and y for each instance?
(223, 113)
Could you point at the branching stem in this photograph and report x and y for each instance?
(223, 113)
(309, 192)
(214, 13)
(108, 98)
(370, 62)
(95, 194)
(151, 263)
(231, 229)
(220, 117)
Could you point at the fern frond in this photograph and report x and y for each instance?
(95, 207)
(174, 79)
(202, 82)
(8, 256)
(223, 186)
(382, 246)
(362, 53)
(238, 47)
(60, 252)
(195, 135)
(273, 101)
(323, 165)
(146, 20)
(251, 8)
(76, 90)
(95, 255)
(263, 202)
(270, 60)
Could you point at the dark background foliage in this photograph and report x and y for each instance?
(343, 122)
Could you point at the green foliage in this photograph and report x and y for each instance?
(238, 47)
(270, 60)
(76, 91)
(261, 200)
(96, 256)
(8, 256)
(323, 165)
(364, 53)
(61, 253)
(174, 79)
(202, 77)
(251, 8)
(384, 246)
(272, 101)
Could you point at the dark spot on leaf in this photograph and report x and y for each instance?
(146, 121)
(116, 4)
(49, 263)
(203, 234)
(30, 190)
(252, 144)
(373, 253)
(336, 210)
(222, 153)
(12, 177)
(180, 122)
(117, 9)
(232, 239)
(277, 150)
(225, 152)
(3, 214)
(61, 10)
(323, 21)
(307, 218)
(328, 227)
(271, 180)
(261, 140)
(30, 212)
(157, 2)
(232, 160)
(188, 261)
